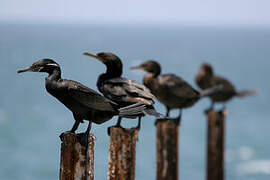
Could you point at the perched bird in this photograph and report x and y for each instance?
(170, 90)
(207, 79)
(85, 103)
(121, 90)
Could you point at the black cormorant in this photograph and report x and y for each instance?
(207, 79)
(121, 90)
(85, 103)
(170, 90)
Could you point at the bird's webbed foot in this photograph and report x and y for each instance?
(177, 120)
(61, 136)
(73, 129)
(138, 127)
(118, 125)
(161, 120)
(115, 126)
(83, 138)
(206, 111)
(223, 111)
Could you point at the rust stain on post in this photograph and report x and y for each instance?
(167, 150)
(122, 154)
(77, 161)
(215, 145)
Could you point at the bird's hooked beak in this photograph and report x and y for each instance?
(30, 69)
(94, 56)
(137, 67)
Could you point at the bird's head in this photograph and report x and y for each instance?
(112, 62)
(206, 69)
(149, 66)
(43, 65)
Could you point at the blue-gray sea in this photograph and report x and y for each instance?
(31, 120)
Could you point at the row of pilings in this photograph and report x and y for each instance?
(77, 161)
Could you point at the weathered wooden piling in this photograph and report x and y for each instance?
(167, 150)
(122, 154)
(77, 160)
(215, 145)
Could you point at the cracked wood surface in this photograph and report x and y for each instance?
(166, 150)
(122, 154)
(215, 145)
(77, 161)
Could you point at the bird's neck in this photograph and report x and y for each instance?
(155, 73)
(113, 72)
(150, 81)
(103, 77)
(110, 74)
(54, 75)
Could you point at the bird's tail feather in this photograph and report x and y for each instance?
(138, 109)
(153, 112)
(132, 110)
(246, 93)
(210, 91)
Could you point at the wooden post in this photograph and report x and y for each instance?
(122, 154)
(167, 150)
(77, 161)
(215, 145)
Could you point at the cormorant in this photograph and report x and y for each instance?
(123, 91)
(207, 79)
(85, 103)
(170, 90)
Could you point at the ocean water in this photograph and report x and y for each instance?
(31, 120)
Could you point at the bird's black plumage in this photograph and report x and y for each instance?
(85, 103)
(171, 90)
(207, 79)
(121, 90)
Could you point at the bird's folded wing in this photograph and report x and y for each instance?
(88, 97)
(227, 85)
(128, 90)
(177, 86)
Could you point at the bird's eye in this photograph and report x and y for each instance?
(34, 66)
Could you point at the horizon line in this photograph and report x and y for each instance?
(137, 23)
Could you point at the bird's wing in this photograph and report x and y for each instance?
(88, 97)
(177, 86)
(227, 85)
(126, 90)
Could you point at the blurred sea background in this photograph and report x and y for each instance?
(234, 36)
(31, 120)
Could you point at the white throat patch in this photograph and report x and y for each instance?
(52, 64)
